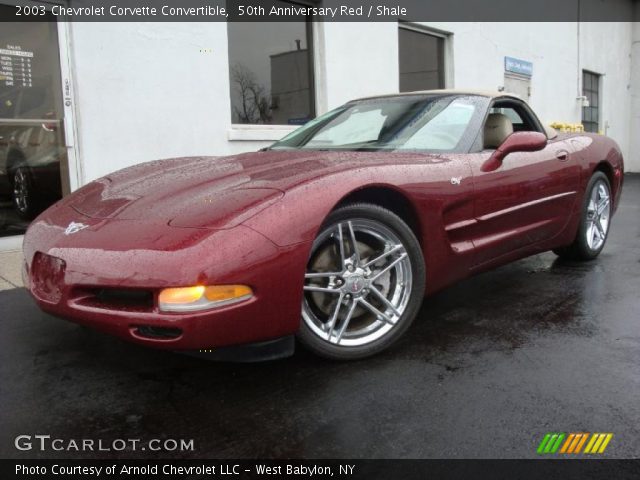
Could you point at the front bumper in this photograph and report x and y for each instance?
(107, 257)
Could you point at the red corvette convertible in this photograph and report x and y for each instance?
(332, 235)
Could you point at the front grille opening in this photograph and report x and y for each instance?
(161, 333)
(127, 299)
(124, 297)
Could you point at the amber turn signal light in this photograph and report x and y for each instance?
(199, 297)
(179, 296)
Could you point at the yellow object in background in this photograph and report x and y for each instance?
(568, 127)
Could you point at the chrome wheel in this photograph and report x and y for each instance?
(598, 214)
(595, 221)
(358, 283)
(21, 190)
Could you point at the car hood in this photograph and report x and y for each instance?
(211, 192)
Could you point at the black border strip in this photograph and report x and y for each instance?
(560, 468)
(347, 10)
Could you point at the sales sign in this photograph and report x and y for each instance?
(515, 65)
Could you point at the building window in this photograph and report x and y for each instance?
(271, 72)
(421, 57)
(591, 90)
(33, 154)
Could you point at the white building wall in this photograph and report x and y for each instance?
(478, 62)
(480, 48)
(361, 59)
(147, 91)
(606, 49)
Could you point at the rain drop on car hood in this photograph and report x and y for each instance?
(191, 192)
(213, 192)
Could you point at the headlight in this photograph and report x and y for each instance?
(190, 299)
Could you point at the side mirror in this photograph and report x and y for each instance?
(516, 142)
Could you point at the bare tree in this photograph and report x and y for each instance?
(254, 104)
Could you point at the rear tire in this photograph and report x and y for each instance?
(364, 283)
(594, 222)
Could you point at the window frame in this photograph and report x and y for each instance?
(273, 132)
(478, 144)
(529, 118)
(74, 177)
(447, 50)
(586, 92)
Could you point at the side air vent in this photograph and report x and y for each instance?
(118, 299)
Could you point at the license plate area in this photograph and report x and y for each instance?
(47, 277)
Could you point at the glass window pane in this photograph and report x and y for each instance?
(363, 126)
(32, 148)
(591, 113)
(586, 82)
(444, 131)
(270, 72)
(431, 123)
(510, 113)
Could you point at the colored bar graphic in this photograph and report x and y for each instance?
(581, 442)
(592, 441)
(576, 439)
(598, 443)
(555, 447)
(551, 443)
(568, 443)
(574, 443)
(603, 447)
(543, 443)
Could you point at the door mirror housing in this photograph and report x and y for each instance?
(516, 142)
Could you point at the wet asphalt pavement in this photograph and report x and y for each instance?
(488, 368)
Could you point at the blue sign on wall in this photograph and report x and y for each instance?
(515, 65)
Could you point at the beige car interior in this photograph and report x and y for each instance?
(496, 129)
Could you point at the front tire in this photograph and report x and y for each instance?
(364, 283)
(594, 223)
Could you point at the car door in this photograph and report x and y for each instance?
(528, 198)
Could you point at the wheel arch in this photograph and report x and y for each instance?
(606, 168)
(387, 197)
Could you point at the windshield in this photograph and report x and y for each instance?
(434, 123)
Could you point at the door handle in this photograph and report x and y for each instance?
(562, 155)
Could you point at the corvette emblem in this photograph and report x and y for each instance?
(74, 227)
(456, 180)
(357, 284)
